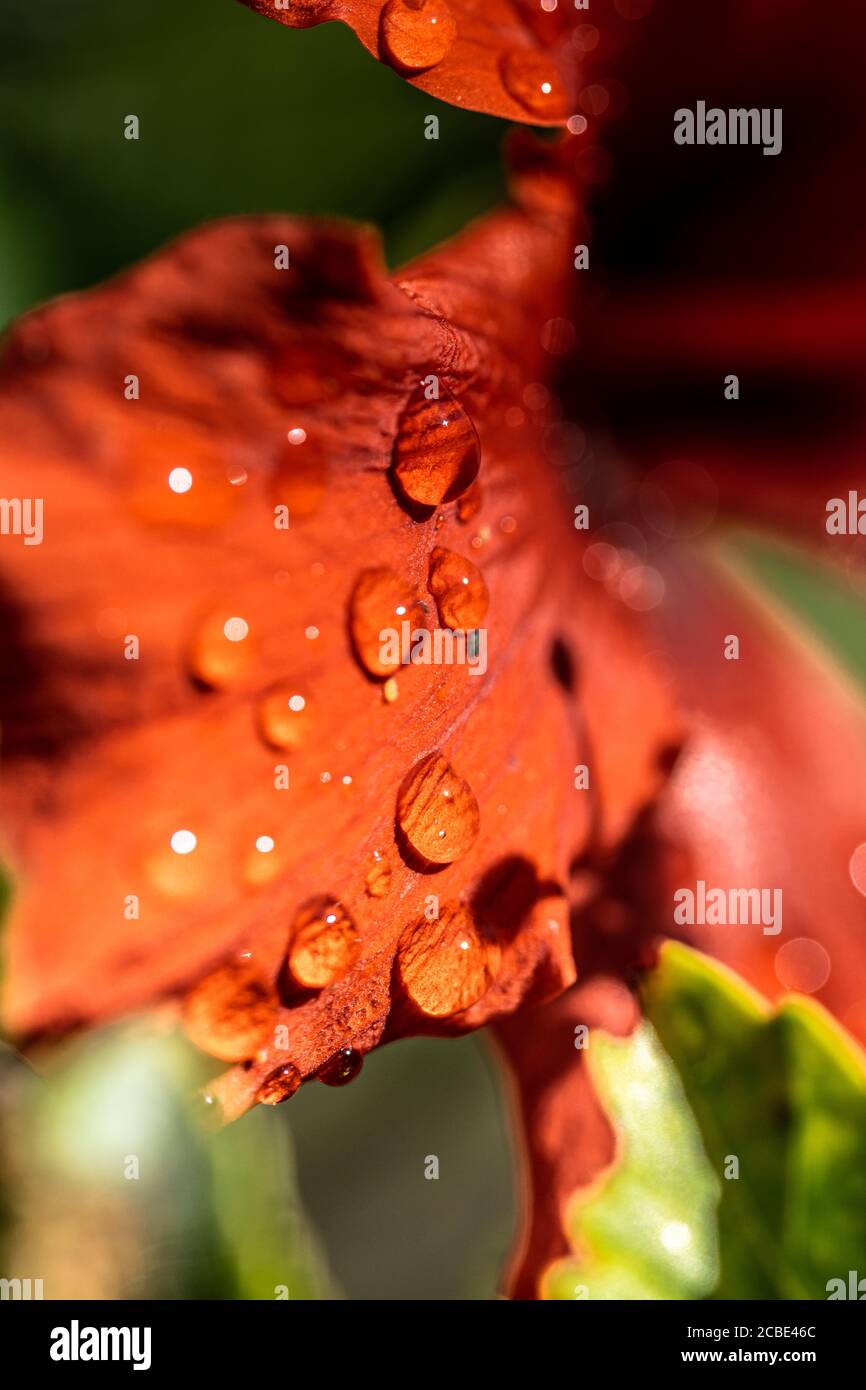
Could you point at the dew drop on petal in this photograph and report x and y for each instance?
(280, 1085)
(323, 943)
(342, 1068)
(380, 601)
(283, 717)
(437, 811)
(533, 81)
(301, 475)
(417, 34)
(436, 452)
(446, 965)
(378, 879)
(220, 655)
(231, 1013)
(458, 588)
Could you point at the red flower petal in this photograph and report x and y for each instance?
(275, 387)
(507, 57)
(768, 793)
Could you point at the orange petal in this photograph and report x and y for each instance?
(506, 57)
(186, 803)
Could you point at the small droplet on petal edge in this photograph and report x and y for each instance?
(436, 451)
(342, 1068)
(283, 717)
(417, 34)
(378, 879)
(458, 588)
(437, 811)
(230, 1013)
(279, 1086)
(381, 601)
(323, 944)
(446, 965)
(534, 82)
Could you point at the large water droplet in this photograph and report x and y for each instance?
(279, 1086)
(458, 588)
(301, 475)
(417, 34)
(323, 944)
(532, 80)
(436, 451)
(231, 1013)
(378, 880)
(380, 601)
(437, 811)
(221, 651)
(284, 717)
(342, 1068)
(446, 965)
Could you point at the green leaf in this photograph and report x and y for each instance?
(647, 1230)
(784, 1093)
(106, 1154)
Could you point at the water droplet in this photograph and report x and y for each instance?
(458, 588)
(301, 475)
(533, 81)
(437, 811)
(262, 861)
(436, 451)
(177, 475)
(378, 880)
(221, 652)
(417, 34)
(446, 965)
(380, 601)
(323, 944)
(279, 1086)
(342, 1068)
(231, 1013)
(284, 717)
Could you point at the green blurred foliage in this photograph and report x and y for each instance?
(237, 113)
(219, 1215)
(784, 1092)
(648, 1229)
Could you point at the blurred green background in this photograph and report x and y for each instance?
(237, 115)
